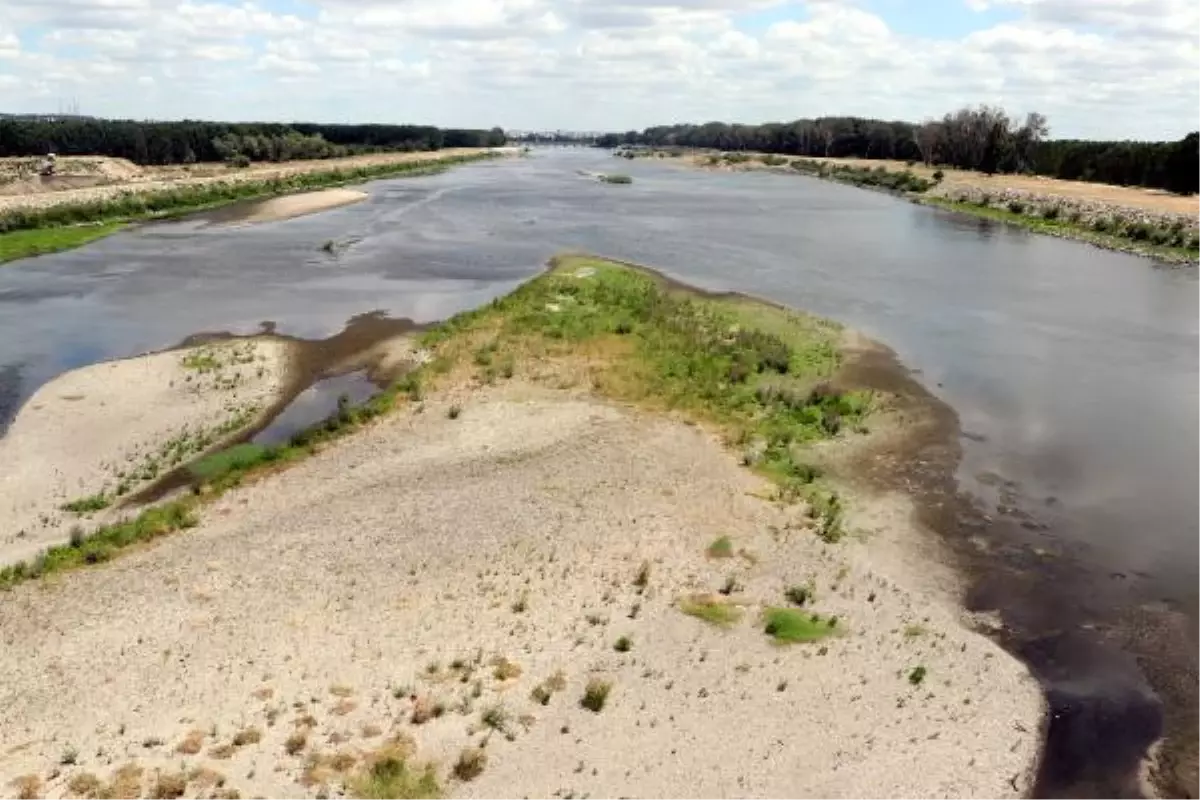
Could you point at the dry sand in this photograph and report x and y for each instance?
(383, 580)
(296, 205)
(90, 430)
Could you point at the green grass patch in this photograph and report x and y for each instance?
(712, 610)
(86, 505)
(25, 243)
(788, 626)
(394, 779)
(1137, 239)
(238, 457)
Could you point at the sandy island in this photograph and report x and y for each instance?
(109, 429)
(297, 205)
(451, 583)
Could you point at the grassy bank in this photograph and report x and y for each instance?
(29, 232)
(1135, 238)
(759, 374)
(875, 177)
(38, 241)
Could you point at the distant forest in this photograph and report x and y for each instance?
(191, 141)
(983, 139)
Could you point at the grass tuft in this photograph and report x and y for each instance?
(711, 610)
(788, 626)
(595, 695)
(393, 779)
(721, 547)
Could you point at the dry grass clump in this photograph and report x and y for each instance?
(191, 744)
(471, 763)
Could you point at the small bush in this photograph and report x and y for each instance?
(1139, 232)
(642, 580)
(471, 763)
(798, 595)
(623, 644)
(917, 675)
(296, 742)
(938, 175)
(168, 785)
(1016, 206)
(620, 179)
(454, 412)
(239, 161)
(1051, 212)
(495, 718)
(595, 695)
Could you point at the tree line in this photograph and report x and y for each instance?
(190, 141)
(983, 138)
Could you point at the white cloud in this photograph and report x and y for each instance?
(1103, 68)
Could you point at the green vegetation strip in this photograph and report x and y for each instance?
(25, 243)
(1138, 238)
(33, 231)
(758, 372)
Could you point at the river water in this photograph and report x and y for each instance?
(1073, 371)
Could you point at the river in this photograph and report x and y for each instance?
(1073, 372)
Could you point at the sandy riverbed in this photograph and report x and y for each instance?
(297, 205)
(441, 568)
(93, 429)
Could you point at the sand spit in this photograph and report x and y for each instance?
(297, 205)
(110, 428)
(420, 586)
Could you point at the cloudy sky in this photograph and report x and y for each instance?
(1097, 68)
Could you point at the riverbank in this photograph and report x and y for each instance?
(33, 225)
(1141, 222)
(673, 469)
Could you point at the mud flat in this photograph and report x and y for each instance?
(606, 525)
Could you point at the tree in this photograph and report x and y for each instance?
(927, 135)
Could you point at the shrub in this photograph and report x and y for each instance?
(916, 675)
(595, 695)
(623, 645)
(1051, 212)
(938, 175)
(1016, 206)
(239, 161)
(471, 763)
(798, 595)
(620, 179)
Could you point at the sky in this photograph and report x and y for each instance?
(1108, 69)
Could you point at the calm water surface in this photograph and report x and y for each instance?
(1073, 370)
